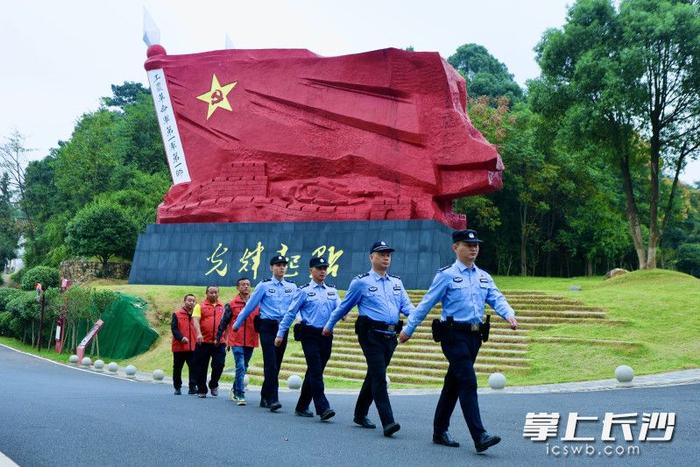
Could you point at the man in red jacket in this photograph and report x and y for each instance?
(184, 339)
(243, 341)
(206, 317)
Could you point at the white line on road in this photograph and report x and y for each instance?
(6, 461)
(68, 366)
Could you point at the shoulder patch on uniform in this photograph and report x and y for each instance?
(267, 280)
(444, 268)
(332, 286)
(364, 274)
(304, 286)
(394, 276)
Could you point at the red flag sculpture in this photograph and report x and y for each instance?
(287, 135)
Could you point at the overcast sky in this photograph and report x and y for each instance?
(60, 57)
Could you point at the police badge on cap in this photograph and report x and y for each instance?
(467, 236)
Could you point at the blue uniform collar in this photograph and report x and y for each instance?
(461, 267)
(275, 281)
(373, 274)
(314, 284)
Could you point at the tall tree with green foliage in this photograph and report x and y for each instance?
(628, 82)
(8, 231)
(485, 75)
(102, 230)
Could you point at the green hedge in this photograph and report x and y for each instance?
(46, 276)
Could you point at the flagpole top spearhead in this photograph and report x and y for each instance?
(151, 33)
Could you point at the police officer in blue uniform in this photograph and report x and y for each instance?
(274, 296)
(380, 298)
(314, 302)
(463, 289)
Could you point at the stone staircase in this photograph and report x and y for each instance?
(420, 360)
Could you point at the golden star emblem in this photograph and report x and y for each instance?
(216, 97)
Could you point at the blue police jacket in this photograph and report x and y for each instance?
(273, 296)
(463, 292)
(381, 298)
(314, 302)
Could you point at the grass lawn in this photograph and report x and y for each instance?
(651, 327)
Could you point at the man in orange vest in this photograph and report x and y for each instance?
(184, 339)
(243, 341)
(206, 317)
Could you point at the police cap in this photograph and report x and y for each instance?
(279, 259)
(380, 246)
(467, 236)
(318, 263)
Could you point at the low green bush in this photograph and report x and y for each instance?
(7, 294)
(46, 276)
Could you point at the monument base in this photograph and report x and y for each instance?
(218, 254)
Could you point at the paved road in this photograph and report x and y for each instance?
(55, 415)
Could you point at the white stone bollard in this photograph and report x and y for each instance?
(86, 361)
(130, 371)
(158, 375)
(246, 381)
(294, 382)
(73, 359)
(99, 365)
(624, 374)
(497, 381)
(113, 367)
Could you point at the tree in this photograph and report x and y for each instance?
(85, 164)
(125, 94)
(102, 230)
(628, 82)
(8, 232)
(13, 159)
(485, 75)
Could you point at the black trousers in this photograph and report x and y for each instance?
(179, 360)
(378, 349)
(272, 359)
(317, 351)
(460, 348)
(202, 354)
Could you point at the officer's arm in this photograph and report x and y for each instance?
(224, 321)
(498, 302)
(176, 331)
(435, 293)
(291, 312)
(250, 305)
(353, 296)
(406, 306)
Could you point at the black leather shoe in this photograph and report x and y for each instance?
(391, 428)
(275, 406)
(486, 440)
(178, 392)
(327, 414)
(303, 413)
(192, 392)
(264, 404)
(364, 422)
(445, 439)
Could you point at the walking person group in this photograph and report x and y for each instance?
(381, 299)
